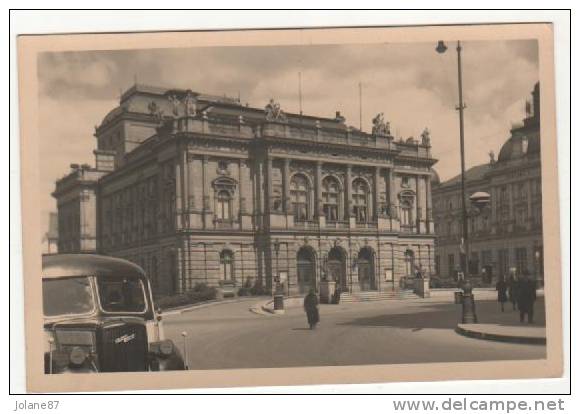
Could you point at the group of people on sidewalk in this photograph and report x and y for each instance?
(521, 292)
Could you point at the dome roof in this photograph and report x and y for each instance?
(519, 145)
(434, 177)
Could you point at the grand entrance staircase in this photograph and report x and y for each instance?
(371, 295)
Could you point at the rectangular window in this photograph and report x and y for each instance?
(474, 263)
(522, 260)
(503, 262)
(451, 264)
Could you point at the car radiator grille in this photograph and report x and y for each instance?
(123, 348)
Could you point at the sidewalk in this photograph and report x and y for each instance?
(505, 326)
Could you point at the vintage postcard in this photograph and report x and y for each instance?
(285, 207)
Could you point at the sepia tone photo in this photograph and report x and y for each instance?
(290, 207)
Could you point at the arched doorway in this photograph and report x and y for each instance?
(336, 267)
(366, 269)
(306, 269)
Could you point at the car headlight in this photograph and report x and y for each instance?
(78, 356)
(162, 348)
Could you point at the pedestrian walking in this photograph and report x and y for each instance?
(311, 308)
(336, 296)
(513, 291)
(526, 298)
(501, 287)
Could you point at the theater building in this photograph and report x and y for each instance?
(202, 189)
(506, 237)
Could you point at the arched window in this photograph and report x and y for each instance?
(360, 200)
(227, 265)
(299, 190)
(330, 198)
(224, 205)
(407, 201)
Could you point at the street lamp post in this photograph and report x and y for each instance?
(278, 294)
(467, 302)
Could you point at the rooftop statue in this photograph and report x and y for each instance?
(380, 127)
(426, 137)
(175, 102)
(155, 110)
(190, 103)
(274, 112)
(491, 157)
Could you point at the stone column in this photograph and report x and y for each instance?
(241, 193)
(393, 204)
(178, 192)
(206, 207)
(493, 200)
(185, 189)
(511, 213)
(348, 191)
(286, 186)
(428, 206)
(419, 202)
(376, 192)
(268, 178)
(529, 199)
(318, 204)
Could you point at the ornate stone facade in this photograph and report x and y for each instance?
(222, 193)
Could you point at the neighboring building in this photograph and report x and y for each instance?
(507, 235)
(198, 188)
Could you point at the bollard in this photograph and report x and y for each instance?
(278, 303)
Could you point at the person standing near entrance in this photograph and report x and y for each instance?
(513, 291)
(311, 308)
(526, 298)
(501, 288)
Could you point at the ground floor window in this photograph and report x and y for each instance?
(522, 260)
(227, 265)
(451, 265)
(503, 262)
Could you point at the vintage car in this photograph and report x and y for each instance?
(99, 317)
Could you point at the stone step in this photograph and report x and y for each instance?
(372, 296)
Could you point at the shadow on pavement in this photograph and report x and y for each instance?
(436, 317)
(446, 316)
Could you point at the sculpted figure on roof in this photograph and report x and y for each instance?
(380, 127)
(274, 112)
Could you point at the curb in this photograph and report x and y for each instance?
(190, 308)
(471, 333)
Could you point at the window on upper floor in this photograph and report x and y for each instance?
(224, 202)
(330, 198)
(360, 200)
(299, 197)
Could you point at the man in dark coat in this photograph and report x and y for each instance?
(526, 298)
(513, 290)
(501, 288)
(311, 308)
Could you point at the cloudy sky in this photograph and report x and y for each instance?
(413, 85)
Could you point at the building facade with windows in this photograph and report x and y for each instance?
(505, 237)
(201, 189)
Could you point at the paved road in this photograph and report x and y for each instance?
(229, 336)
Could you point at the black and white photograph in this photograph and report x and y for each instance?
(351, 203)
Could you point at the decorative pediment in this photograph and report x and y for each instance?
(406, 198)
(224, 183)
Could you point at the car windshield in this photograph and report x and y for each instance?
(121, 294)
(67, 296)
